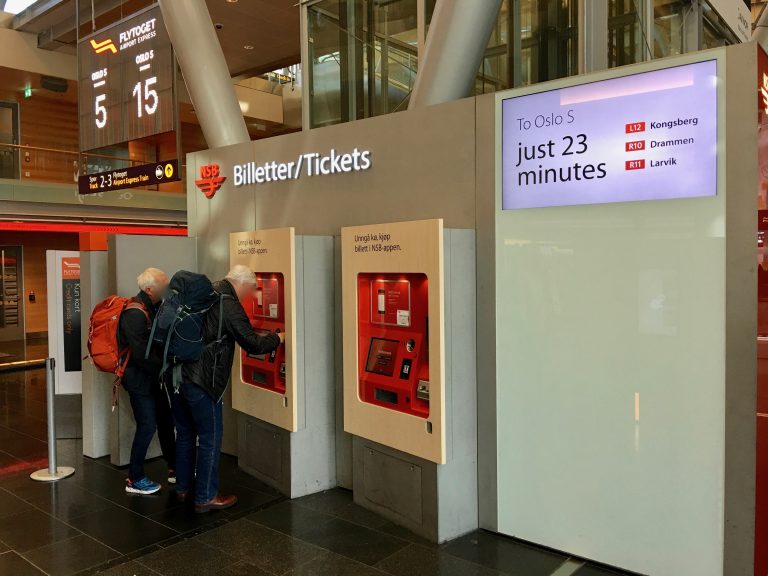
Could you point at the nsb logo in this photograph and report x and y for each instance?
(210, 179)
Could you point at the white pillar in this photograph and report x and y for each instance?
(456, 42)
(205, 71)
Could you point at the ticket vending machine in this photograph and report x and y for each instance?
(286, 399)
(266, 311)
(393, 345)
(408, 320)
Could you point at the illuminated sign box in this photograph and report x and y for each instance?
(648, 136)
(126, 81)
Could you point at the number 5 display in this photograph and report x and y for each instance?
(101, 111)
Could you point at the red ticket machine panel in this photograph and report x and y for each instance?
(393, 359)
(266, 311)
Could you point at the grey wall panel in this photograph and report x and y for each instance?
(416, 157)
(313, 450)
(97, 386)
(741, 313)
(485, 206)
(457, 481)
(128, 257)
(343, 439)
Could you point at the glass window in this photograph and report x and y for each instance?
(668, 31)
(325, 63)
(363, 56)
(626, 35)
(548, 40)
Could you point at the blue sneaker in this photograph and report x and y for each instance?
(143, 486)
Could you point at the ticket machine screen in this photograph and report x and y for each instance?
(393, 343)
(266, 311)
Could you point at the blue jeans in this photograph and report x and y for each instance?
(151, 412)
(198, 421)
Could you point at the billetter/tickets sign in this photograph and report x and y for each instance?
(648, 136)
(310, 164)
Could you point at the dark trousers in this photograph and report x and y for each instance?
(152, 412)
(199, 429)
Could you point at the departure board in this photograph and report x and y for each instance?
(126, 85)
(646, 136)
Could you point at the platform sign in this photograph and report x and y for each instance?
(648, 136)
(133, 177)
(126, 81)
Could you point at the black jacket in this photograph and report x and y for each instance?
(213, 370)
(140, 374)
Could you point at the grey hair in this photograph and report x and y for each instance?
(150, 278)
(240, 274)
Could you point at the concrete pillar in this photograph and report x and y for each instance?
(458, 36)
(760, 34)
(205, 71)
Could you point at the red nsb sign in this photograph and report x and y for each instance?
(635, 127)
(635, 145)
(210, 180)
(635, 165)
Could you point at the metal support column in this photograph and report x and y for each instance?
(760, 34)
(593, 36)
(456, 42)
(205, 71)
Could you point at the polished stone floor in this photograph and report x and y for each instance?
(20, 350)
(87, 524)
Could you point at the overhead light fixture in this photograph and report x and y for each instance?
(248, 47)
(16, 6)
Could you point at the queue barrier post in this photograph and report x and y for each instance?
(53, 472)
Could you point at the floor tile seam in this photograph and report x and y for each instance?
(24, 554)
(138, 560)
(398, 551)
(12, 456)
(90, 493)
(24, 433)
(38, 509)
(90, 538)
(119, 505)
(66, 521)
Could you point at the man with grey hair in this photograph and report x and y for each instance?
(149, 399)
(197, 407)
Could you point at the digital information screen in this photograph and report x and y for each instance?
(381, 357)
(126, 81)
(649, 136)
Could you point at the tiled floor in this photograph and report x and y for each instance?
(87, 524)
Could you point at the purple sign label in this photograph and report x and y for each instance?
(649, 136)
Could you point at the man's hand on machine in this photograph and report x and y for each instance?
(281, 335)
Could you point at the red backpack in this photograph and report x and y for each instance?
(103, 346)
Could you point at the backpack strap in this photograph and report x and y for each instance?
(124, 355)
(179, 310)
(219, 333)
(151, 337)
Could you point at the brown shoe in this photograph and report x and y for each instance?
(182, 496)
(218, 503)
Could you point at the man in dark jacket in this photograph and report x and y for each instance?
(197, 406)
(149, 399)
